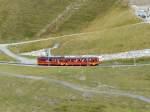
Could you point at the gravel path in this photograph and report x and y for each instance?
(61, 18)
(70, 35)
(103, 57)
(84, 89)
(126, 55)
(21, 59)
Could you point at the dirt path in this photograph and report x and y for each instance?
(21, 59)
(103, 57)
(127, 55)
(75, 34)
(4, 48)
(61, 18)
(84, 89)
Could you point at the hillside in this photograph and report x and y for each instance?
(55, 89)
(73, 27)
(22, 19)
(116, 31)
(108, 26)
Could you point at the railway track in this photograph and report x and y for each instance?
(100, 65)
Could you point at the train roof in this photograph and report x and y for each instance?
(89, 56)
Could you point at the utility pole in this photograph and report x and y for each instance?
(49, 49)
(49, 52)
(135, 60)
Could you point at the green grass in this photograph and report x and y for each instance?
(44, 96)
(22, 19)
(93, 74)
(41, 96)
(119, 39)
(142, 60)
(115, 32)
(4, 57)
(115, 17)
(115, 40)
(87, 14)
(114, 28)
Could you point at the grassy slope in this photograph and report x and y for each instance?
(120, 39)
(81, 19)
(113, 34)
(114, 26)
(4, 57)
(143, 60)
(115, 17)
(93, 75)
(22, 19)
(113, 23)
(45, 96)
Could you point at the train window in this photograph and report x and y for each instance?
(79, 60)
(83, 60)
(87, 59)
(91, 60)
(74, 60)
(67, 60)
(57, 59)
(62, 60)
(50, 59)
(71, 60)
(43, 59)
(53, 59)
(94, 60)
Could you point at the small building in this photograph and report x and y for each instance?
(142, 13)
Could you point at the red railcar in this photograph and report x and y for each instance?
(68, 61)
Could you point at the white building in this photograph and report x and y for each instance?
(143, 12)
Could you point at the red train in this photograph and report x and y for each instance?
(68, 61)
